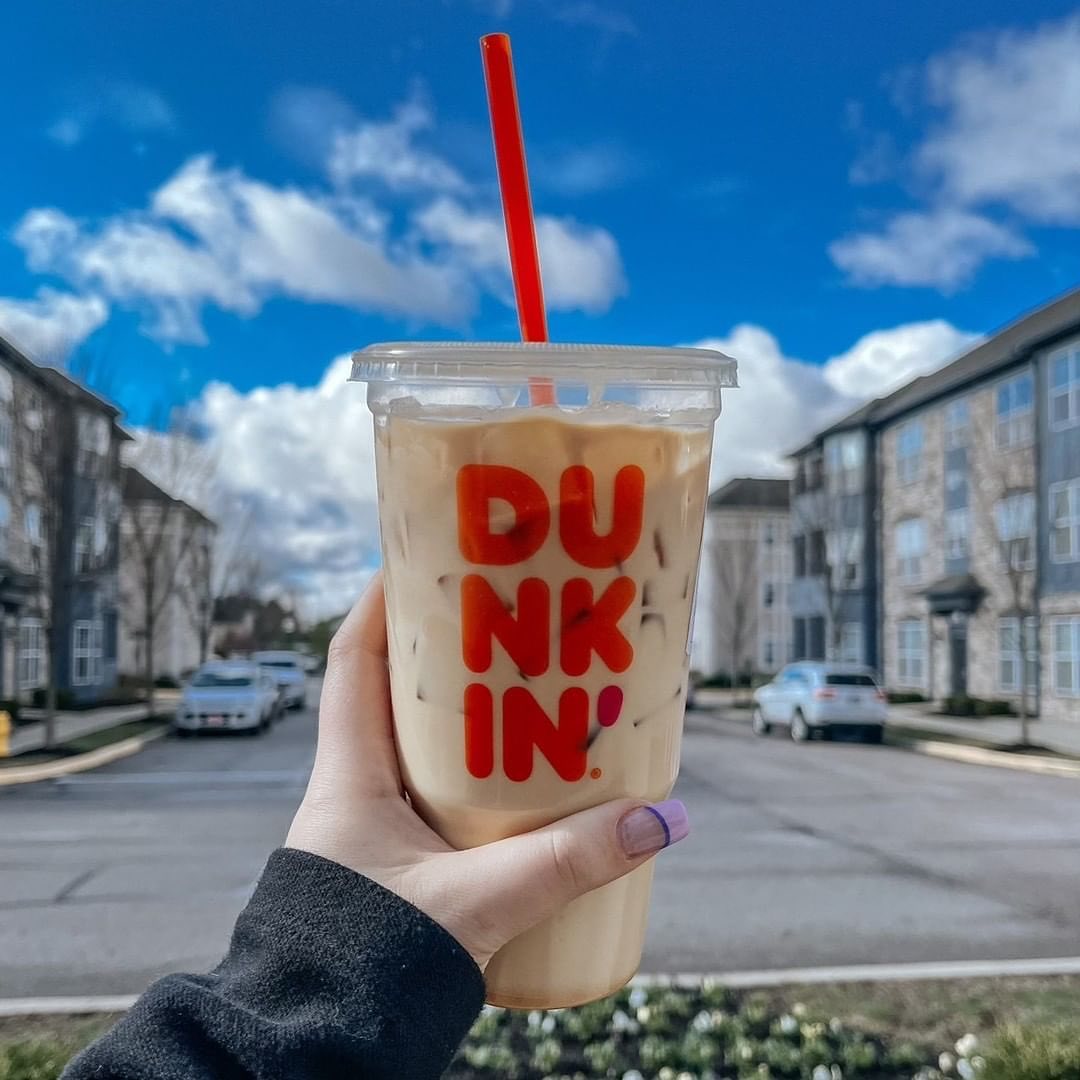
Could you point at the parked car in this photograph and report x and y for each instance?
(287, 669)
(815, 698)
(227, 695)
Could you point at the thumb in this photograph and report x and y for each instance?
(530, 877)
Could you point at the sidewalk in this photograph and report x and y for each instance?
(72, 725)
(1060, 736)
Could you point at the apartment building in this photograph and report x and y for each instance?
(742, 621)
(969, 534)
(59, 515)
(834, 588)
(166, 597)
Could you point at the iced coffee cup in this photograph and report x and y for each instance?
(540, 563)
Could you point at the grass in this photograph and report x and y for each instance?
(85, 743)
(1026, 1029)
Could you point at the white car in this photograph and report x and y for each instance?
(287, 669)
(817, 698)
(227, 695)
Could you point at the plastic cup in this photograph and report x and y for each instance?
(540, 565)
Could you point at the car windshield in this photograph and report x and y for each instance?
(277, 663)
(221, 679)
(850, 680)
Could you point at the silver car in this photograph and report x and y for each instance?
(818, 698)
(227, 695)
(287, 669)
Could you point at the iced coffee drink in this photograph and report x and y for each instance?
(540, 566)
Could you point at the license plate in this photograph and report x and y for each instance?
(215, 721)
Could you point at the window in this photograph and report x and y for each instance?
(909, 448)
(798, 639)
(956, 482)
(1014, 520)
(815, 644)
(84, 546)
(1065, 387)
(799, 544)
(1013, 409)
(32, 523)
(957, 423)
(5, 520)
(770, 534)
(849, 647)
(93, 443)
(910, 549)
(1009, 656)
(844, 462)
(1065, 521)
(34, 419)
(1066, 643)
(768, 654)
(844, 554)
(910, 652)
(31, 665)
(815, 555)
(86, 659)
(769, 594)
(6, 478)
(956, 534)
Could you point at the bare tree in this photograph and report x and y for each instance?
(1003, 502)
(733, 561)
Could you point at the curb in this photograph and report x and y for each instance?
(93, 759)
(737, 980)
(978, 755)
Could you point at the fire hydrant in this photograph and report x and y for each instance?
(5, 734)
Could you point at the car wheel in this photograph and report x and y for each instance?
(800, 729)
(758, 724)
(874, 735)
(183, 732)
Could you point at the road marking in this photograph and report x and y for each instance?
(737, 980)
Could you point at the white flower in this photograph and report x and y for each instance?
(946, 1061)
(979, 1063)
(836, 1072)
(621, 1022)
(685, 1076)
(633, 1074)
(966, 1044)
(703, 1021)
(667, 1073)
(835, 1025)
(643, 1014)
(798, 1009)
(788, 1024)
(965, 1070)
(534, 1018)
(822, 1072)
(547, 1025)
(638, 996)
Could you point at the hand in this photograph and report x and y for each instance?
(355, 813)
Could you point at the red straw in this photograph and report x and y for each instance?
(517, 206)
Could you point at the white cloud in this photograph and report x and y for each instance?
(387, 152)
(213, 236)
(940, 248)
(582, 170)
(1000, 151)
(301, 459)
(592, 16)
(781, 401)
(1010, 132)
(49, 326)
(127, 105)
(307, 119)
(580, 264)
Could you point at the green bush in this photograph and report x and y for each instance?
(1034, 1052)
(963, 705)
(12, 709)
(34, 1060)
(905, 697)
(67, 702)
(166, 682)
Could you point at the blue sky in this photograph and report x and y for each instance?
(242, 192)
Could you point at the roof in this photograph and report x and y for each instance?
(139, 488)
(1008, 346)
(18, 359)
(752, 492)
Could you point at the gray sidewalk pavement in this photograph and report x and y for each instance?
(72, 725)
(1061, 736)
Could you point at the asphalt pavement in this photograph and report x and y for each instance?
(820, 854)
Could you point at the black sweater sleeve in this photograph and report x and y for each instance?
(327, 975)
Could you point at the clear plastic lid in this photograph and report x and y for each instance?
(482, 362)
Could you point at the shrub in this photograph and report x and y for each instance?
(905, 697)
(1034, 1052)
(166, 682)
(964, 705)
(34, 1060)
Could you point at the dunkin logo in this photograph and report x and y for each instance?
(588, 624)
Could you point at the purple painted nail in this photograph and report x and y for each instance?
(649, 829)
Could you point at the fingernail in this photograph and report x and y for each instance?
(648, 829)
